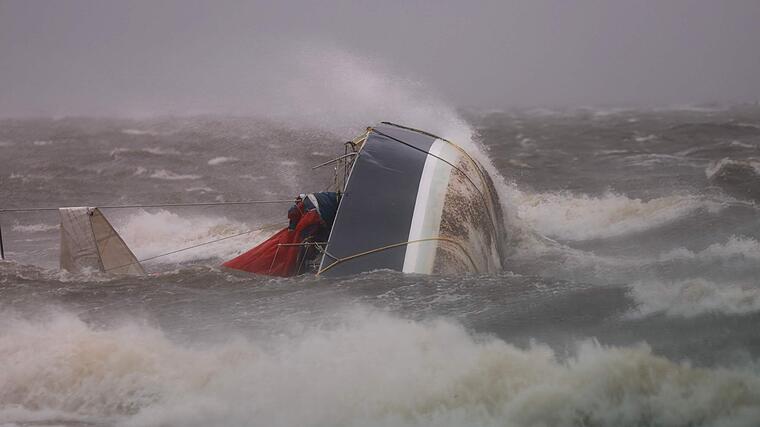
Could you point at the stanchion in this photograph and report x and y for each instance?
(2, 249)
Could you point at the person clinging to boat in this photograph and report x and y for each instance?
(292, 250)
(295, 212)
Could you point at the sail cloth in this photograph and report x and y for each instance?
(89, 242)
(280, 255)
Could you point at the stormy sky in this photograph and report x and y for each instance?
(156, 57)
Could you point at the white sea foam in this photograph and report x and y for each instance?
(691, 108)
(601, 113)
(611, 152)
(200, 189)
(526, 142)
(25, 178)
(749, 125)
(737, 143)
(253, 177)
(138, 132)
(646, 138)
(171, 176)
(34, 228)
(219, 160)
(161, 151)
(692, 297)
(736, 247)
(371, 370)
(716, 167)
(153, 233)
(151, 150)
(42, 143)
(569, 216)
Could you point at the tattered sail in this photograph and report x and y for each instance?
(88, 241)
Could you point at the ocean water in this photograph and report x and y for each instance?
(630, 297)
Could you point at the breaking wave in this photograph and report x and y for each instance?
(693, 297)
(569, 216)
(725, 168)
(371, 369)
(325, 85)
(736, 247)
(153, 233)
(739, 178)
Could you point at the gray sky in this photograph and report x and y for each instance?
(147, 57)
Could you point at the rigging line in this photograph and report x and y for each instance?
(480, 173)
(396, 245)
(462, 150)
(482, 196)
(431, 154)
(2, 249)
(195, 246)
(157, 205)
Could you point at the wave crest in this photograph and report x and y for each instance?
(568, 216)
(372, 369)
(694, 297)
(153, 233)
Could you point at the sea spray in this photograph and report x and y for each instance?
(569, 216)
(153, 233)
(369, 369)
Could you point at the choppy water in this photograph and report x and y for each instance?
(631, 297)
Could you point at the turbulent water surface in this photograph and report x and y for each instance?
(631, 295)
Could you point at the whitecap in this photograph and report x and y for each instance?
(138, 132)
(693, 297)
(34, 228)
(736, 247)
(370, 369)
(200, 189)
(736, 143)
(150, 150)
(153, 233)
(569, 216)
(219, 160)
(171, 176)
(726, 164)
(650, 137)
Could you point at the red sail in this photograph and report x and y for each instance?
(273, 258)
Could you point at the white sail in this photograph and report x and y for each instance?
(88, 241)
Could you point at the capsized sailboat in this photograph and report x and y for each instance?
(405, 200)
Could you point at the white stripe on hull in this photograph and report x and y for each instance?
(428, 208)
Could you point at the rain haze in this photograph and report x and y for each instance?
(127, 58)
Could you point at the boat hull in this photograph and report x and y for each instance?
(415, 203)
